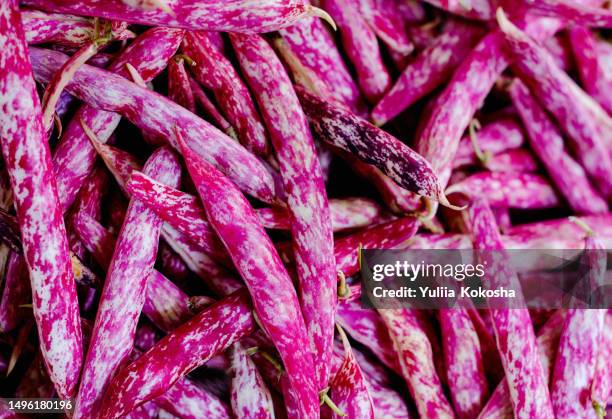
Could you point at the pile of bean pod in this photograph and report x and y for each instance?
(186, 187)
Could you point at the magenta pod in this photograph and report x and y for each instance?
(516, 341)
(573, 109)
(361, 48)
(580, 343)
(385, 19)
(582, 14)
(431, 67)
(417, 365)
(597, 82)
(184, 349)
(210, 109)
(602, 381)
(250, 396)
(349, 387)
(311, 229)
(215, 72)
(74, 156)
(124, 290)
(546, 141)
(518, 160)
(179, 87)
(210, 15)
(260, 266)
(15, 292)
(473, 9)
(384, 236)
(310, 41)
(156, 115)
(42, 28)
(187, 400)
(28, 163)
(512, 190)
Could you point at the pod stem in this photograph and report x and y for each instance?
(483, 157)
(315, 11)
(325, 399)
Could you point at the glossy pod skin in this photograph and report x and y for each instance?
(428, 70)
(216, 73)
(344, 130)
(187, 347)
(416, 360)
(74, 156)
(124, 290)
(156, 115)
(547, 142)
(250, 396)
(514, 333)
(41, 28)
(233, 16)
(302, 179)
(28, 162)
(179, 87)
(572, 108)
(260, 266)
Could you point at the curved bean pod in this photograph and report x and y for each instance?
(473, 9)
(179, 87)
(187, 400)
(572, 107)
(124, 290)
(210, 15)
(514, 333)
(567, 175)
(74, 156)
(157, 115)
(260, 266)
(343, 129)
(216, 73)
(185, 348)
(588, 15)
(28, 163)
(311, 229)
(431, 67)
(250, 395)
(41, 28)
(512, 190)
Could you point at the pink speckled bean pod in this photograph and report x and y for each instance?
(580, 343)
(546, 141)
(210, 15)
(518, 160)
(311, 43)
(463, 357)
(165, 304)
(560, 49)
(311, 229)
(346, 214)
(514, 333)
(384, 236)
(499, 405)
(571, 107)
(602, 380)
(416, 360)
(184, 349)
(361, 47)
(210, 109)
(74, 156)
(595, 80)
(512, 190)
(588, 15)
(385, 19)
(473, 9)
(367, 328)
(6, 412)
(466, 92)
(15, 292)
(179, 87)
(216, 73)
(124, 290)
(28, 163)
(495, 137)
(212, 273)
(250, 396)
(181, 210)
(429, 69)
(41, 28)
(157, 115)
(260, 266)
(344, 130)
(397, 199)
(349, 387)
(171, 264)
(187, 400)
